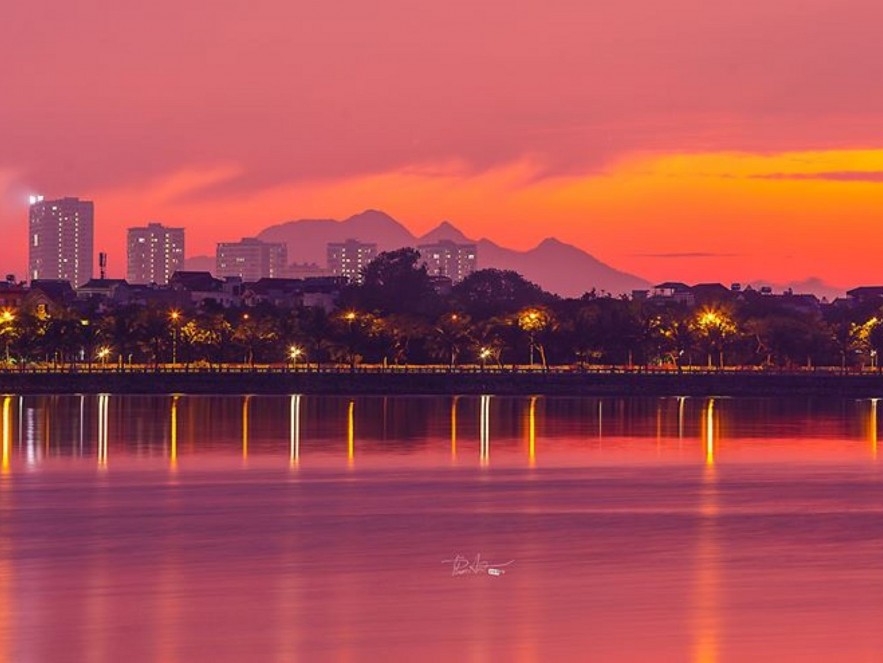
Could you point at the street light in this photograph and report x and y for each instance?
(103, 353)
(532, 321)
(174, 316)
(294, 352)
(7, 317)
(484, 354)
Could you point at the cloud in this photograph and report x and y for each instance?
(689, 254)
(839, 176)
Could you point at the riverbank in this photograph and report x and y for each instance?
(574, 383)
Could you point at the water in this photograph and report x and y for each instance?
(316, 528)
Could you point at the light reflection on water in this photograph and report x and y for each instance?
(184, 528)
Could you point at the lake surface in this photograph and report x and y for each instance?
(265, 528)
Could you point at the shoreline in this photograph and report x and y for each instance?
(445, 383)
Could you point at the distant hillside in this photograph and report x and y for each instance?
(307, 238)
(557, 267)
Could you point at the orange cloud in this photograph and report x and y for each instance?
(696, 217)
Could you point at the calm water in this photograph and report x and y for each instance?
(316, 528)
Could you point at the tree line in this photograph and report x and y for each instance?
(493, 317)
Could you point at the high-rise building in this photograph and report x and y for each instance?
(154, 253)
(447, 258)
(349, 257)
(251, 259)
(60, 239)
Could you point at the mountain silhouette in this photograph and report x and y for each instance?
(555, 266)
(444, 231)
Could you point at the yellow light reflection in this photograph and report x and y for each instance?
(681, 401)
(350, 433)
(485, 424)
(600, 419)
(454, 427)
(532, 431)
(103, 402)
(173, 451)
(246, 401)
(658, 425)
(709, 432)
(295, 430)
(872, 430)
(706, 591)
(7, 434)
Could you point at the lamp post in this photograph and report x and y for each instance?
(174, 316)
(350, 317)
(483, 355)
(103, 354)
(7, 317)
(294, 352)
(532, 321)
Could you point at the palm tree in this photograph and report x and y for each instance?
(449, 336)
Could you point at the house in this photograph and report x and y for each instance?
(12, 294)
(114, 290)
(48, 297)
(284, 293)
(866, 293)
(674, 291)
(202, 287)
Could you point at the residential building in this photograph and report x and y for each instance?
(154, 253)
(303, 270)
(447, 258)
(251, 259)
(60, 240)
(349, 258)
(11, 294)
(201, 288)
(49, 297)
(865, 293)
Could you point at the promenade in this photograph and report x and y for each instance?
(512, 380)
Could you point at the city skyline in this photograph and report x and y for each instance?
(704, 140)
(443, 244)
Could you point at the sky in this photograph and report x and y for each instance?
(695, 140)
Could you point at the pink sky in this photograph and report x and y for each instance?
(644, 132)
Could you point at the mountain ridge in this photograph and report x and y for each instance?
(554, 265)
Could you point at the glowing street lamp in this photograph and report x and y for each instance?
(103, 353)
(293, 353)
(484, 354)
(7, 317)
(174, 317)
(532, 320)
(715, 326)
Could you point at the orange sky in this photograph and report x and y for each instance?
(712, 216)
(694, 141)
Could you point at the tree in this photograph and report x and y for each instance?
(489, 293)
(396, 282)
(253, 334)
(399, 330)
(449, 336)
(353, 334)
(714, 328)
(152, 332)
(534, 321)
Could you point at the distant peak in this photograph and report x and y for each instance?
(370, 213)
(445, 231)
(551, 242)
